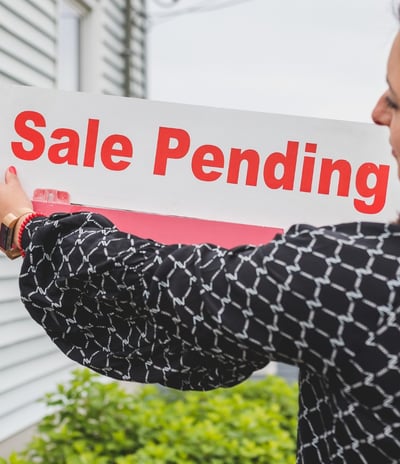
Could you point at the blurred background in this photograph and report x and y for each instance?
(304, 57)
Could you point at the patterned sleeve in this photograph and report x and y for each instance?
(189, 317)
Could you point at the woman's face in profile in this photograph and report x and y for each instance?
(387, 109)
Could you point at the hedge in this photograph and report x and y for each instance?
(97, 422)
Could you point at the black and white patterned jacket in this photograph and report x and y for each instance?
(199, 317)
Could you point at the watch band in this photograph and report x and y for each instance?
(7, 232)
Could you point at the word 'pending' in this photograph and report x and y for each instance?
(278, 170)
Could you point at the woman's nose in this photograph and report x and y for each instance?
(381, 114)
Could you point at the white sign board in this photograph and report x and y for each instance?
(173, 159)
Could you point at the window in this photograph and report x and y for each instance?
(69, 46)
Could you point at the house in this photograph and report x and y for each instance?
(90, 45)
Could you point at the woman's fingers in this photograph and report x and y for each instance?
(12, 196)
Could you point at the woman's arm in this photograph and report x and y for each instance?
(200, 316)
(134, 309)
(190, 317)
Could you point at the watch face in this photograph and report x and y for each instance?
(3, 236)
(5, 241)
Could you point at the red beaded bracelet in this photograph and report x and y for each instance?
(24, 223)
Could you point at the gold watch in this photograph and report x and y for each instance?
(7, 228)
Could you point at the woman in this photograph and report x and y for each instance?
(198, 317)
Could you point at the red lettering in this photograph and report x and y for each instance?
(70, 146)
(116, 145)
(328, 167)
(91, 142)
(30, 134)
(67, 150)
(164, 151)
(279, 170)
(199, 162)
(377, 191)
(307, 174)
(207, 161)
(253, 164)
(288, 162)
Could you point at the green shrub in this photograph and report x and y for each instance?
(101, 423)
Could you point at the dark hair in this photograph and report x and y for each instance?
(396, 9)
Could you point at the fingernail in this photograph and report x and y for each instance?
(12, 170)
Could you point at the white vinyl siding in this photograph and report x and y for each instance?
(111, 60)
(114, 47)
(123, 45)
(138, 63)
(28, 41)
(30, 364)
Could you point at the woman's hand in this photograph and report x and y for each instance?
(12, 196)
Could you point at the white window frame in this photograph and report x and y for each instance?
(73, 52)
